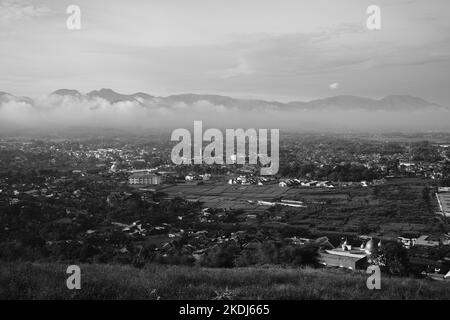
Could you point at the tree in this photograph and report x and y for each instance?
(221, 256)
(307, 255)
(392, 257)
(424, 151)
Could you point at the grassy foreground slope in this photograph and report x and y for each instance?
(48, 281)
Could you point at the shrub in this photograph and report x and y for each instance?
(221, 256)
(392, 257)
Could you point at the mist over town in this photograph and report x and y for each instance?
(106, 108)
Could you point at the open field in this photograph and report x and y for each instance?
(247, 192)
(48, 281)
(399, 206)
(224, 196)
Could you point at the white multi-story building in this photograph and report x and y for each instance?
(145, 179)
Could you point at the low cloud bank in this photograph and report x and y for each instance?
(59, 112)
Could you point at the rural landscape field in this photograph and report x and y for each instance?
(63, 204)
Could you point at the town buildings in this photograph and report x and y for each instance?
(145, 178)
(348, 256)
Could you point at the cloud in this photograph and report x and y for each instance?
(11, 10)
(59, 112)
(334, 86)
(241, 69)
(55, 111)
(283, 54)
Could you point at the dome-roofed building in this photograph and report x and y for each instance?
(370, 246)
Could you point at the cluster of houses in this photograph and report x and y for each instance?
(327, 184)
(305, 183)
(285, 203)
(424, 241)
(245, 180)
(198, 177)
(428, 170)
(357, 256)
(149, 177)
(52, 188)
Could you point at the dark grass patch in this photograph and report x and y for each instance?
(48, 281)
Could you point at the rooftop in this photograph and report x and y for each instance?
(143, 174)
(444, 202)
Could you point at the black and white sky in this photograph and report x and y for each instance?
(277, 50)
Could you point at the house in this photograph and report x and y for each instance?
(343, 259)
(325, 184)
(344, 256)
(299, 241)
(292, 203)
(443, 199)
(199, 254)
(205, 177)
(323, 243)
(437, 276)
(407, 242)
(425, 242)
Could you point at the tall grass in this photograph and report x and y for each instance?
(48, 281)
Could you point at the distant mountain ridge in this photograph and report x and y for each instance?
(342, 102)
(6, 97)
(67, 92)
(389, 103)
(113, 97)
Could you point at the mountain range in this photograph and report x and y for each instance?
(395, 103)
